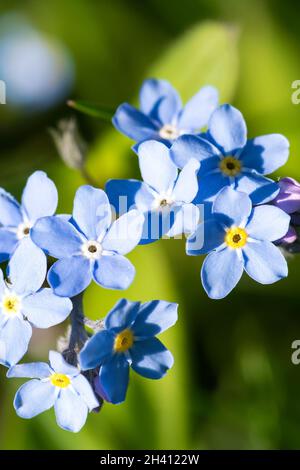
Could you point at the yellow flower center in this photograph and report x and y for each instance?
(60, 380)
(230, 166)
(11, 304)
(123, 341)
(236, 237)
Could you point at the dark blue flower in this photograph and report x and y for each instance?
(162, 116)
(128, 339)
(229, 159)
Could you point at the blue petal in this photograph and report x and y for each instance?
(15, 335)
(61, 366)
(209, 186)
(114, 378)
(122, 315)
(56, 236)
(185, 220)
(199, 108)
(156, 166)
(186, 186)
(44, 309)
(268, 223)
(84, 389)
(232, 207)
(228, 129)
(125, 233)
(169, 107)
(91, 211)
(128, 194)
(260, 189)
(33, 398)
(27, 268)
(221, 271)
(3, 285)
(154, 317)
(266, 153)
(152, 93)
(209, 235)
(134, 123)
(33, 370)
(159, 223)
(264, 262)
(113, 272)
(150, 358)
(189, 146)
(8, 243)
(96, 350)
(39, 198)
(10, 212)
(70, 410)
(70, 276)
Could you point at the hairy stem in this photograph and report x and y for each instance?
(78, 335)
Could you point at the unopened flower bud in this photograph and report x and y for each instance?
(70, 145)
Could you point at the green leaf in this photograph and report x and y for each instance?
(92, 109)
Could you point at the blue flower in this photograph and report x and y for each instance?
(60, 385)
(164, 196)
(239, 237)
(228, 159)
(128, 339)
(23, 304)
(39, 199)
(89, 246)
(162, 116)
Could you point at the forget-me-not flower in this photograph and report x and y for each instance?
(164, 196)
(128, 340)
(89, 246)
(60, 385)
(162, 116)
(39, 199)
(25, 304)
(237, 238)
(229, 159)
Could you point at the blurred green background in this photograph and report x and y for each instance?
(233, 385)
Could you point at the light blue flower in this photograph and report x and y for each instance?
(128, 339)
(164, 196)
(237, 238)
(24, 304)
(228, 159)
(89, 246)
(60, 385)
(162, 116)
(39, 199)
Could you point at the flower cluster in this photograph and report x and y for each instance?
(200, 176)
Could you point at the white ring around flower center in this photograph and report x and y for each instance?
(23, 230)
(92, 249)
(163, 202)
(169, 132)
